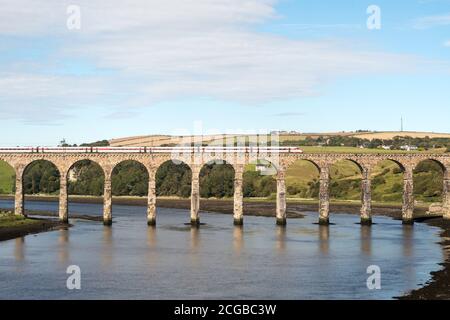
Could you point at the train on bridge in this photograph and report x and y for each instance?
(197, 149)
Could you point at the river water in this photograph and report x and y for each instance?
(216, 261)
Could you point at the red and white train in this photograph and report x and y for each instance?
(198, 149)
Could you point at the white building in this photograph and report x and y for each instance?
(409, 148)
(265, 169)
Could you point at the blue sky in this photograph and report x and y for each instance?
(160, 67)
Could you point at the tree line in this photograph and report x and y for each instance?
(396, 143)
(130, 178)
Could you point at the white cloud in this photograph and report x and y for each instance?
(432, 21)
(44, 98)
(49, 16)
(447, 43)
(233, 65)
(161, 50)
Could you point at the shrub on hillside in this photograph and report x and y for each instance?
(397, 188)
(378, 180)
(397, 170)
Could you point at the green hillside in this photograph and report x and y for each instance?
(302, 181)
(6, 178)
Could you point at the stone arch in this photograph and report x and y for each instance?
(302, 179)
(266, 181)
(227, 184)
(277, 167)
(430, 183)
(438, 162)
(170, 177)
(94, 161)
(346, 175)
(400, 164)
(355, 162)
(52, 175)
(312, 161)
(88, 169)
(185, 190)
(127, 159)
(33, 162)
(387, 176)
(252, 178)
(174, 160)
(130, 165)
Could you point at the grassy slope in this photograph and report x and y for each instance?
(8, 220)
(386, 191)
(12, 226)
(6, 177)
(302, 172)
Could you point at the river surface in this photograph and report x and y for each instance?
(216, 261)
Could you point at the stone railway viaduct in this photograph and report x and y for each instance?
(151, 161)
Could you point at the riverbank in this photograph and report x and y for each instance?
(438, 288)
(12, 226)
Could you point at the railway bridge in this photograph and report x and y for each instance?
(281, 158)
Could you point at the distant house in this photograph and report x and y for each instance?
(260, 167)
(284, 132)
(265, 169)
(73, 175)
(364, 145)
(386, 147)
(409, 148)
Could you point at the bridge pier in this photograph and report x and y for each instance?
(63, 198)
(366, 209)
(151, 199)
(408, 197)
(19, 196)
(324, 196)
(446, 194)
(195, 196)
(238, 211)
(107, 200)
(281, 198)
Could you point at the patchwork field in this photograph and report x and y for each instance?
(161, 140)
(392, 134)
